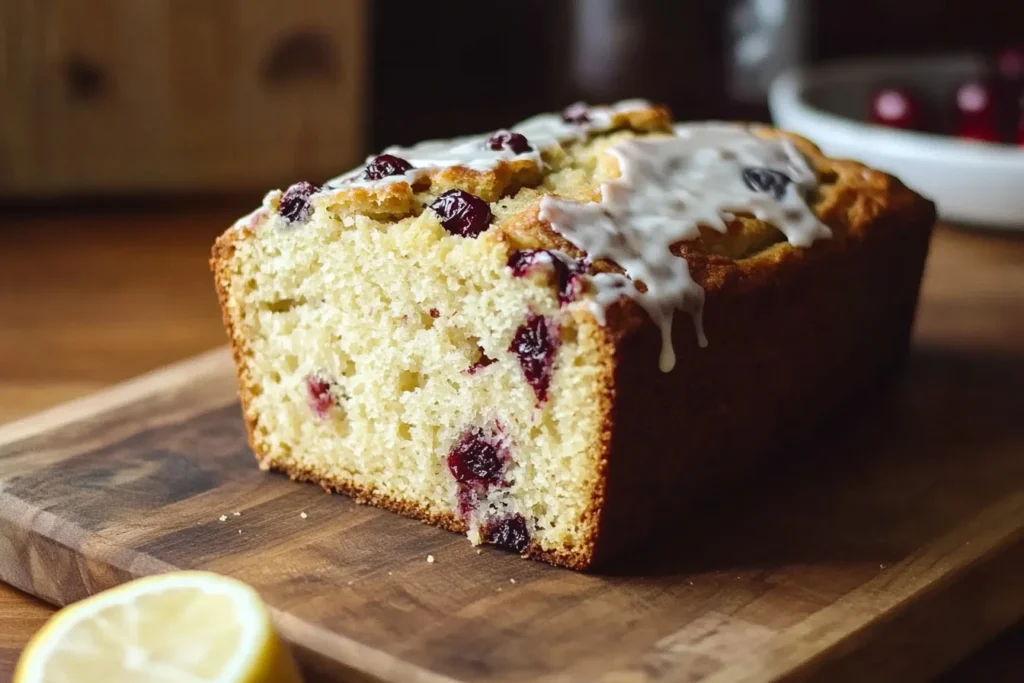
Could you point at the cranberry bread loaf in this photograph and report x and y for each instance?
(557, 336)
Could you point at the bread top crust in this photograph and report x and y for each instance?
(574, 161)
(849, 198)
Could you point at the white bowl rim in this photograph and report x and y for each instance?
(787, 94)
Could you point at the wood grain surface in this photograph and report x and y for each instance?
(968, 358)
(171, 95)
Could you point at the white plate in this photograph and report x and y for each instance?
(971, 182)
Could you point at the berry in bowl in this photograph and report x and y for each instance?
(950, 127)
(896, 107)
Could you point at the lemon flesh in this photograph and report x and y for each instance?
(187, 627)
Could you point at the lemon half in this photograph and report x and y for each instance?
(185, 627)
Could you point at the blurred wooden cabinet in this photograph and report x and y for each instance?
(143, 96)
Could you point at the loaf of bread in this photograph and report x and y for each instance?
(557, 337)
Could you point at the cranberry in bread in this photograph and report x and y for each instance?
(557, 336)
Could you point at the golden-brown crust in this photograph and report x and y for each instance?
(791, 343)
(654, 119)
(220, 262)
(400, 199)
(828, 319)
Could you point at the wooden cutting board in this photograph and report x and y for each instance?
(890, 549)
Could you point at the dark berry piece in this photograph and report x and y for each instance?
(766, 180)
(480, 363)
(504, 139)
(535, 343)
(510, 533)
(570, 284)
(320, 394)
(386, 165)
(462, 213)
(567, 272)
(468, 500)
(294, 205)
(896, 108)
(522, 261)
(577, 114)
(434, 313)
(477, 458)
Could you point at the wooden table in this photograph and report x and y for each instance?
(90, 296)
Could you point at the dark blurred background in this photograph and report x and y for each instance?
(207, 96)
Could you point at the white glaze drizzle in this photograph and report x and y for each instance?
(265, 207)
(542, 132)
(667, 188)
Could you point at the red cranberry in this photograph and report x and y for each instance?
(477, 459)
(535, 343)
(320, 394)
(503, 139)
(294, 205)
(522, 261)
(480, 364)
(468, 498)
(766, 180)
(462, 213)
(568, 272)
(976, 104)
(509, 533)
(975, 99)
(896, 108)
(386, 165)
(577, 114)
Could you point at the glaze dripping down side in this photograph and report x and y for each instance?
(667, 188)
